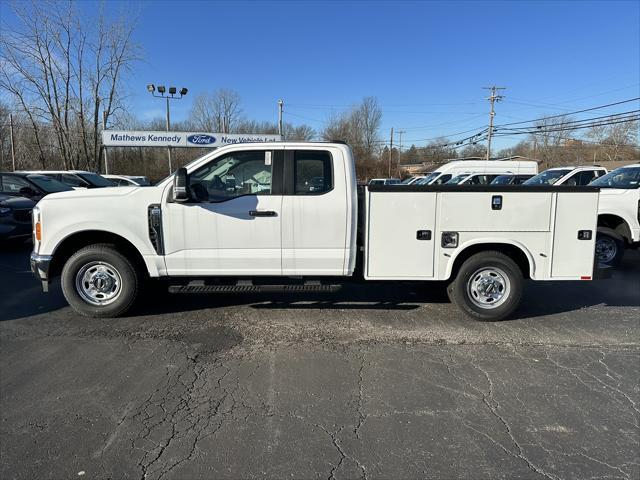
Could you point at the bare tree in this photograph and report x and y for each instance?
(614, 140)
(219, 111)
(551, 135)
(360, 128)
(61, 76)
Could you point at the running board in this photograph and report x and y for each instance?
(301, 288)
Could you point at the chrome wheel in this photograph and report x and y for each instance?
(488, 287)
(606, 249)
(98, 283)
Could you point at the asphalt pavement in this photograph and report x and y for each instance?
(375, 382)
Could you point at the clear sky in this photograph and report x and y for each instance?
(426, 62)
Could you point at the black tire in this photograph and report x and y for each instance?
(502, 274)
(609, 249)
(100, 259)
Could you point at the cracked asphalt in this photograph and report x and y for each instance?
(368, 383)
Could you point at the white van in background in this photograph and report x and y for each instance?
(481, 167)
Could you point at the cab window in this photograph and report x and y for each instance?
(233, 175)
(13, 184)
(588, 176)
(73, 180)
(442, 179)
(312, 172)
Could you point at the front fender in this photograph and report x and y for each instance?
(53, 240)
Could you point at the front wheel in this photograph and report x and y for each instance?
(488, 286)
(609, 250)
(98, 281)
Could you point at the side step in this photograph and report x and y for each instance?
(195, 287)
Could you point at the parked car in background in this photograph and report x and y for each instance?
(572, 176)
(77, 178)
(491, 167)
(385, 181)
(128, 180)
(30, 185)
(618, 213)
(472, 179)
(15, 217)
(510, 179)
(412, 180)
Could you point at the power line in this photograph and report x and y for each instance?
(611, 116)
(571, 113)
(632, 118)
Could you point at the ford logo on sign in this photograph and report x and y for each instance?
(201, 139)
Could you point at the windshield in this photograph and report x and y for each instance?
(96, 180)
(548, 177)
(457, 179)
(376, 182)
(48, 184)
(407, 181)
(625, 177)
(428, 179)
(502, 180)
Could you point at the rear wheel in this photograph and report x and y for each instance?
(488, 286)
(98, 281)
(609, 249)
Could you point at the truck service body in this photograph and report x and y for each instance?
(289, 216)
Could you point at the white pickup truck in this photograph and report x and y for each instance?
(618, 213)
(290, 217)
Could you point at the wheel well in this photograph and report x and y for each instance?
(515, 253)
(616, 224)
(75, 242)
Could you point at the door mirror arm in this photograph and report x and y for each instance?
(181, 185)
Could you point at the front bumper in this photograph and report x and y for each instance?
(40, 268)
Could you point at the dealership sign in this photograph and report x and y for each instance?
(128, 138)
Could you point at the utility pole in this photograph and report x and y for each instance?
(400, 132)
(169, 128)
(280, 105)
(13, 147)
(390, 153)
(104, 127)
(494, 97)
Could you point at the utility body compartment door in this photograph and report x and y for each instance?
(401, 235)
(572, 256)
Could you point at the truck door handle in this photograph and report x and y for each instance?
(262, 213)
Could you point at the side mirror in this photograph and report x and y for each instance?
(27, 192)
(181, 185)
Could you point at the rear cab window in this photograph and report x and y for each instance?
(313, 174)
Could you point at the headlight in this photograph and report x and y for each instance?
(37, 227)
(5, 211)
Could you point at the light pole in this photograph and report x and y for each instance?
(171, 95)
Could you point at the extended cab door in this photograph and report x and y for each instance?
(316, 209)
(232, 226)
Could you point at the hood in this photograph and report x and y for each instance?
(17, 203)
(93, 193)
